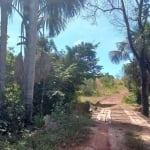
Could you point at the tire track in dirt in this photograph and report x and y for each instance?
(114, 120)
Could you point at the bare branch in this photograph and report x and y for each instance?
(137, 2)
(140, 7)
(96, 7)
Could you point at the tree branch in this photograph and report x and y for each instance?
(104, 10)
(129, 31)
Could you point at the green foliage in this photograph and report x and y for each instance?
(12, 92)
(102, 86)
(12, 110)
(84, 57)
(10, 60)
(132, 79)
(67, 73)
(108, 81)
(72, 130)
(38, 121)
(4, 145)
(58, 110)
(108, 85)
(11, 118)
(130, 99)
(89, 88)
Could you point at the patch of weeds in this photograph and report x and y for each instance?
(133, 142)
(71, 131)
(39, 122)
(130, 99)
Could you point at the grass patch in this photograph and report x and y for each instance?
(72, 130)
(133, 142)
(103, 86)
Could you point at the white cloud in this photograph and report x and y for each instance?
(77, 42)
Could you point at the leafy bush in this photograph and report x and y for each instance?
(130, 99)
(38, 120)
(11, 118)
(71, 131)
(89, 88)
(108, 81)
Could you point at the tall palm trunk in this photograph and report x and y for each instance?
(31, 50)
(3, 47)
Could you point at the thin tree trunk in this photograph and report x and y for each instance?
(42, 99)
(3, 47)
(144, 95)
(144, 85)
(31, 47)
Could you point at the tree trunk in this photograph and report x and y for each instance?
(144, 86)
(31, 50)
(3, 47)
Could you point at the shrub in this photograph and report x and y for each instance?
(72, 129)
(11, 118)
(88, 88)
(130, 99)
(38, 120)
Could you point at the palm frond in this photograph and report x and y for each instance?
(56, 13)
(115, 56)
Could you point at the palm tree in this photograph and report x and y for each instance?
(121, 54)
(30, 60)
(52, 15)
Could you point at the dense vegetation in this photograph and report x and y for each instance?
(58, 77)
(41, 86)
(59, 82)
(133, 18)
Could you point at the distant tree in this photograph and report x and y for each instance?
(83, 56)
(40, 15)
(130, 15)
(67, 73)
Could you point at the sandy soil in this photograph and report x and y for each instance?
(114, 119)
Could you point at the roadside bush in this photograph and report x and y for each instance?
(11, 118)
(130, 99)
(89, 88)
(72, 129)
(38, 121)
(107, 81)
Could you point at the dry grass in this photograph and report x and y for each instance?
(104, 91)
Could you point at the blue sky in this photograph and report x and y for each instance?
(78, 30)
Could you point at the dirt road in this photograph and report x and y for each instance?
(114, 120)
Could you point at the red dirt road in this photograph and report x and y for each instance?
(114, 119)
